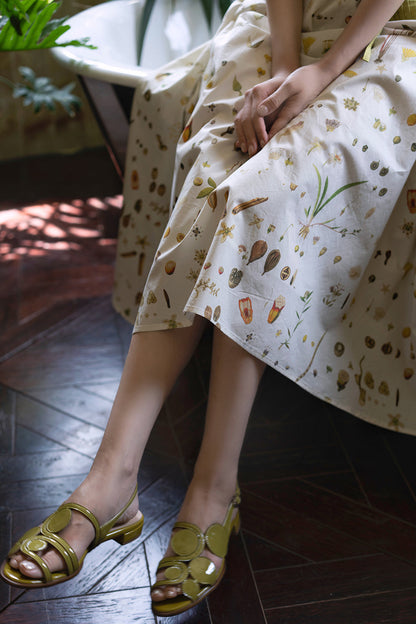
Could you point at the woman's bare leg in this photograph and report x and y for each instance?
(235, 376)
(154, 361)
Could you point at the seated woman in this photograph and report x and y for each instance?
(289, 225)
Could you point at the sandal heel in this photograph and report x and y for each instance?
(129, 534)
(237, 524)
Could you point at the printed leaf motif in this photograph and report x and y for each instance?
(321, 202)
(258, 250)
(205, 192)
(237, 86)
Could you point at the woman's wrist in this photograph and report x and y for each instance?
(284, 69)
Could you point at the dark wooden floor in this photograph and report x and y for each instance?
(329, 508)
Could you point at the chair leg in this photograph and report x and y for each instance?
(111, 117)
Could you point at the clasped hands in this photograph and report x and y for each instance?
(271, 105)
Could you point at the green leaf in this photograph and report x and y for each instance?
(207, 8)
(146, 13)
(212, 183)
(40, 93)
(319, 190)
(224, 5)
(343, 188)
(27, 25)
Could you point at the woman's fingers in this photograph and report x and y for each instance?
(251, 131)
(272, 103)
(251, 127)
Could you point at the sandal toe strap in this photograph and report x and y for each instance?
(193, 576)
(31, 548)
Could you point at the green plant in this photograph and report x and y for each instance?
(28, 25)
(207, 6)
(40, 93)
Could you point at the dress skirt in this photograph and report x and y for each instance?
(305, 254)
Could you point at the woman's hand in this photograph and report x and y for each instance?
(252, 128)
(271, 105)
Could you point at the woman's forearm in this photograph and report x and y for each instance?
(285, 19)
(366, 23)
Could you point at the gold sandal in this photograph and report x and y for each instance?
(197, 575)
(38, 539)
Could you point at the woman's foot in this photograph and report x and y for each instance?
(104, 501)
(202, 507)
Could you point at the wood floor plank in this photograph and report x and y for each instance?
(295, 531)
(37, 494)
(5, 543)
(397, 607)
(188, 432)
(76, 402)
(225, 604)
(66, 430)
(351, 520)
(335, 580)
(280, 398)
(155, 547)
(375, 468)
(297, 433)
(186, 394)
(7, 416)
(293, 462)
(343, 483)
(87, 350)
(403, 450)
(131, 606)
(105, 390)
(264, 554)
(43, 465)
(162, 438)
(27, 442)
(129, 573)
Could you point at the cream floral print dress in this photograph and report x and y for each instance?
(304, 254)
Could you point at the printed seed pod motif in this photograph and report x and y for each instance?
(304, 253)
(246, 310)
(276, 309)
(272, 261)
(257, 251)
(235, 278)
(411, 201)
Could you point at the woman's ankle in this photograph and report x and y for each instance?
(218, 487)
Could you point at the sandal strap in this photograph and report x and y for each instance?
(105, 528)
(66, 551)
(39, 561)
(31, 546)
(85, 512)
(187, 568)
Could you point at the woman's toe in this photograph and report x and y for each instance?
(30, 569)
(157, 594)
(52, 559)
(164, 593)
(171, 592)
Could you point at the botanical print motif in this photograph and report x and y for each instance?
(303, 254)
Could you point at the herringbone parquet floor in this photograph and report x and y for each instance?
(329, 507)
